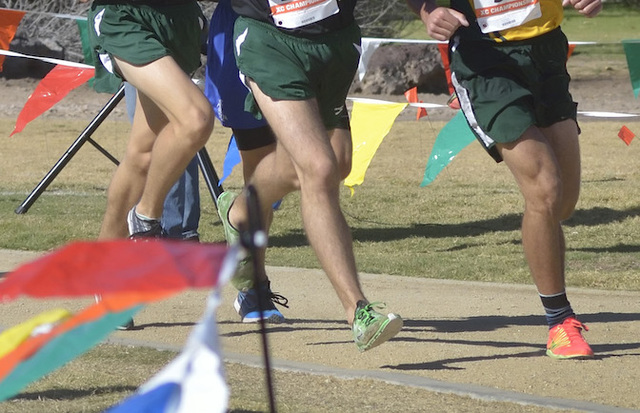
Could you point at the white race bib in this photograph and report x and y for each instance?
(291, 14)
(494, 16)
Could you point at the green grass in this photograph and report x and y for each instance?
(463, 226)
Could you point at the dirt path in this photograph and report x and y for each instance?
(479, 340)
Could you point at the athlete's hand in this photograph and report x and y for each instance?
(588, 8)
(442, 22)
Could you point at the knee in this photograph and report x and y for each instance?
(197, 123)
(137, 163)
(323, 175)
(546, 200)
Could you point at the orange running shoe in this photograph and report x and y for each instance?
(566, 341)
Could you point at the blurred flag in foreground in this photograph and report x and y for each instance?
(126, 275)
(193, 382)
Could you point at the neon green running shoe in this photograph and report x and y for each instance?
(370, 328)
(243, 278)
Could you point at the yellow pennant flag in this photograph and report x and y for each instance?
(11, 338)
(371, 121)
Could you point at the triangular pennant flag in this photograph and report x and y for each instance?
(118, 266)
(87, 51)
(626, 135)
(231, 159)
(453, 137)
(367, 48)
(51, 89)
(193, 381)
(453, 101)
(570, 52)
(632, 51)
(444, 55)
(9, 22)
(126, 279)
(370, 123)
(412, 97)
(44, 353)
(13, 337)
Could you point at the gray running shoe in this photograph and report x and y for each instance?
(370, 328)
(142, 228)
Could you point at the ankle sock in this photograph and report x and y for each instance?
(144, 217)
(556, 307)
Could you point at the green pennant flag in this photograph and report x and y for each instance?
(453, 138)
(83, 27)
(632, 50)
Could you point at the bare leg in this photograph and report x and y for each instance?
(129, 178)
(250, 160)
(188, 114)
(546, 166)
(316, 167)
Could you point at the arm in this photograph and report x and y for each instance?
(441, 22)
(588, 8)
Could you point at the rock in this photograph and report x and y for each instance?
(395, 68)
(19, 68)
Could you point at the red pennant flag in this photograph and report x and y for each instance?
(412, 97)
(120, 266)
(9, 21)
(571, 47)
(626, 135)
(52, 89)
(444, 55)
(453, 101)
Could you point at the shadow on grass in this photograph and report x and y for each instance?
(245, 411)
(73, 394)
(163, 325)
(505, 223)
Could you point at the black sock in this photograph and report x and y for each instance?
(556, 307)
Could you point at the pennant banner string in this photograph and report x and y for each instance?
(46, 59)
(59, 15)
(595, 114)
(391, 40)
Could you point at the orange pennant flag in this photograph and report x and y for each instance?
(53, 88)
(626, 135)
(571, 47)
(9, 21)
(412, 97)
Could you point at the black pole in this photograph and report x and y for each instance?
(208, 171)
(77, 144)
(253, 239)
(210, 175)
